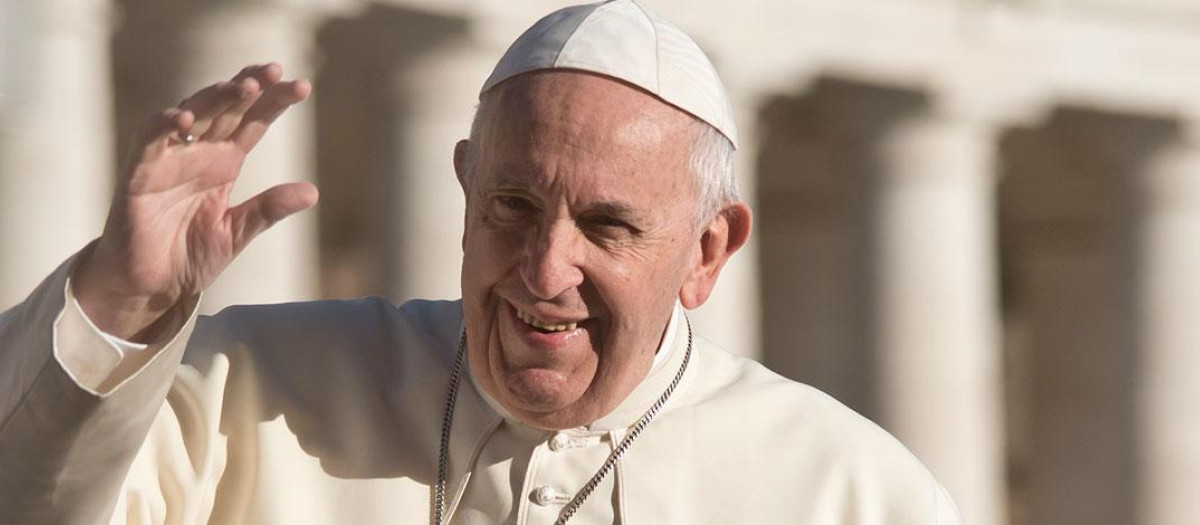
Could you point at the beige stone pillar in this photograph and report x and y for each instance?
(1070, 223)
(56, 147)
(936, 313)
(439, 87)
(281, 264)
(1168, 378)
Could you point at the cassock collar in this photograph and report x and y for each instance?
(667, 360)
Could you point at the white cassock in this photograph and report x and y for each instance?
(330, 412)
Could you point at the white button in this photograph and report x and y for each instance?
(544, 495)
(560, 441)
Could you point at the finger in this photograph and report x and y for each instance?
(260, 212)
(211, 101)
(252, 80)
(160, 130)
(220, 126)
(273, 102)
(266, 74)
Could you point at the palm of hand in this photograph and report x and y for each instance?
(171, 229)
(181, 229)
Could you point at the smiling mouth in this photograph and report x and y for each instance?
(544, 327)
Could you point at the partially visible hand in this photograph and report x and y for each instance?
(171, 229)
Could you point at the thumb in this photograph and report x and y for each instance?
(260, 212)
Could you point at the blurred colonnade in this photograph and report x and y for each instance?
(977, 221)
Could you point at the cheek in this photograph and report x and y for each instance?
(488, 254)
(647, 281)
(637, 293)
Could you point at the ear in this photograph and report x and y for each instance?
(461, 150)
(724, 235)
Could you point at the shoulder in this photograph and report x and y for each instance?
(349, 378)
(314, 323)
(725, 381)
(799, 436)
(369, 334)
(774, 407)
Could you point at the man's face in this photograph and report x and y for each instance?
(579, 234)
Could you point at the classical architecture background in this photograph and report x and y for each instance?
(978, 221)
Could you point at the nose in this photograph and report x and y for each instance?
(552, 261)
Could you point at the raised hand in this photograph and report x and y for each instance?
(171, 229)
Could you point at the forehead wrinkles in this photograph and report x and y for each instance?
(586, 131)
(582, 110)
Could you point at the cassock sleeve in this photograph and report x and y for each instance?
(97, 361)
(67, 442)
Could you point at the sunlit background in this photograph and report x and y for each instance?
(978, 222)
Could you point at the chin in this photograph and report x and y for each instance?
(539, 391)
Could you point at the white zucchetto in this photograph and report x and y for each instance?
(621, 39)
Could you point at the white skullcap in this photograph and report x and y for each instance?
(620, 39)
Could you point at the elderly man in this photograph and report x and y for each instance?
(567, 384)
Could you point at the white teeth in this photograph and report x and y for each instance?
(531, 321)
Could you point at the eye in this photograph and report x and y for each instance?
(514, 203)
(512, 207)
(607, 227)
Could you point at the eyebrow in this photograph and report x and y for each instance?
(502, 182)
(612, 208)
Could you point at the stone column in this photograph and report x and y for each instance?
(281, 264)
(1070, 223)
(936, 313)
(437, 90)
(1168, 376)
(814, 169)
(56, 146)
